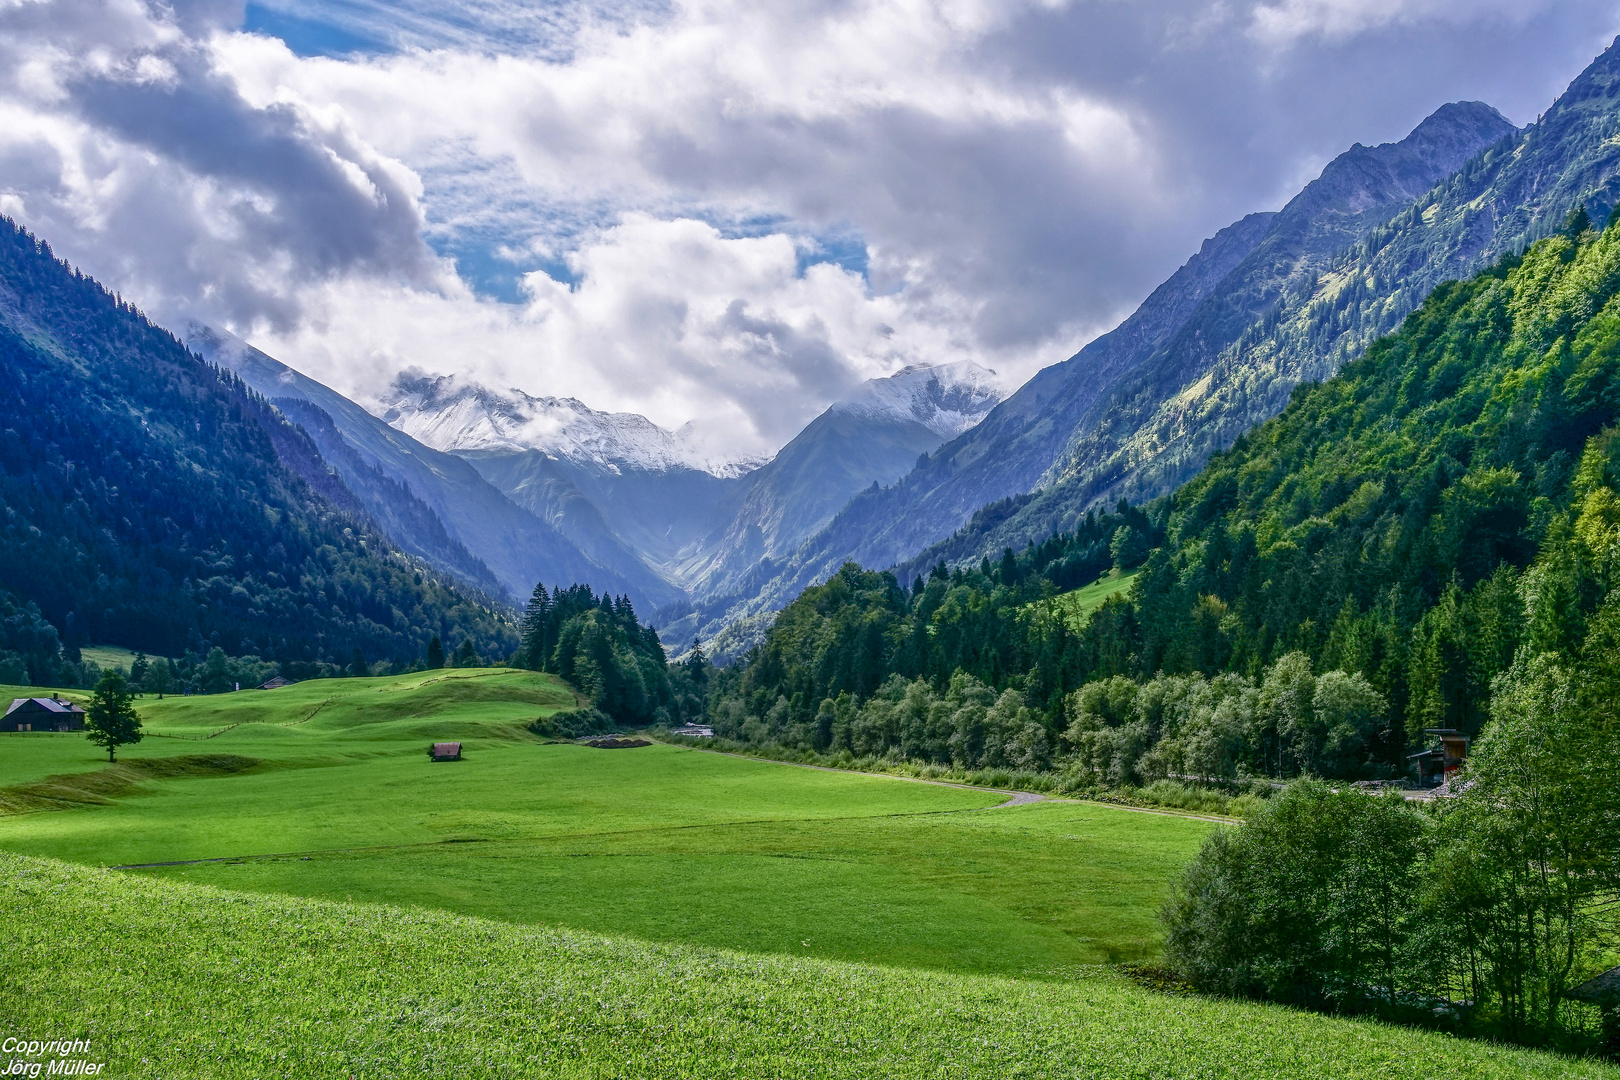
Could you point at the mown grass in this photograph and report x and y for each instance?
(108, 656)
(1029, 890)
(170, 980)
(331, 795)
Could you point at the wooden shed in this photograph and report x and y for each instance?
(1436, 765)
(1604, 992)
(42, 714)
(275, 684)
(445, 751)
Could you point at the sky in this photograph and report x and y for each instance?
(723, 212)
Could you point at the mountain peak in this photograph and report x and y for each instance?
(1368, 176)
(946, 398)
(450, 413)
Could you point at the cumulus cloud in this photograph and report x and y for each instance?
(670, 318)
(706, 210)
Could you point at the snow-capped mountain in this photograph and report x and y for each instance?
(616, 481)
(452, 414)
(947, 399)
(874, 436)
(434, 504)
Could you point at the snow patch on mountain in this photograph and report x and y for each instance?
(449, 413)
(947, 398)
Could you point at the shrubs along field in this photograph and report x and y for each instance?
(324, 789)
(170, 980)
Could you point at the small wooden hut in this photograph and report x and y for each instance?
(1604, 992)
(445, 751)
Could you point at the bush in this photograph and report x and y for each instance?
(574, 724)
(1310, 902)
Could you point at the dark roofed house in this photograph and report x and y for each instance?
(275, 684)
(1435, 766)
(42, 714)
(445, 751)
(1604, 992)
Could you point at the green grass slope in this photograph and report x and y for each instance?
(1076, 607)
(195, 981)
(323, 789)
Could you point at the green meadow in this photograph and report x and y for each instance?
(171, 980)
(282, 883)
(325, 790)
(1075, 607)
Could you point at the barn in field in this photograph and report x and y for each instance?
(42, 714)
(445, 751)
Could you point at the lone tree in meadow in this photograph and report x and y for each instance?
(111, 720)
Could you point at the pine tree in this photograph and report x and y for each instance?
(435, 654)
(536, 628)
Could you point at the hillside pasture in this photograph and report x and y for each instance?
(189, 980)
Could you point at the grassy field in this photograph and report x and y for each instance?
(1076, 607)
(334, 904)
(324, 790)
(108, 656)
(170, 980)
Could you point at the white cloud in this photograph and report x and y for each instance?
(671, 319)
(1010, 176)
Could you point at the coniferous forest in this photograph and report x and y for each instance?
(1348, 575)
(153, 501)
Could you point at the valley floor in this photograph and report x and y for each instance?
(336, 904)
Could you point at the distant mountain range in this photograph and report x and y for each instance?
(452, 414)
(505, 489)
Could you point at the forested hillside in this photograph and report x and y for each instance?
(1155, 429)
(1348, 574)
(154, 502)
(1230, 291)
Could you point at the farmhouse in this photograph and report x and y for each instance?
(445, 751)
(42, 714)
(275, 684)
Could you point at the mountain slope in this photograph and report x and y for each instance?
(871, 439)
(1235, 279)
(1148, 436)
(1405, 540)
(152, 501)
(518, 548)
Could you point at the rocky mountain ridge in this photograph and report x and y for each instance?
(453, 414)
